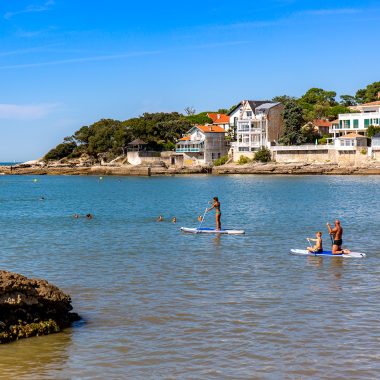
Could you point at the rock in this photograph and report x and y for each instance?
(30, 307)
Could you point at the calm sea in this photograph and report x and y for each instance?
(159, 304)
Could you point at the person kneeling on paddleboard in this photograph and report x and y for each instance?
(317, 248)
(337, 233)
(218, 214)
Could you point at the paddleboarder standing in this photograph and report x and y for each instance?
(218, 214)
(337, 233)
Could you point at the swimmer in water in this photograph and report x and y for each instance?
(174, 220)
(160, 218)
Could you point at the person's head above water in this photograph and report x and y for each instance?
(319, 234)
(216, 199)
(337, 222)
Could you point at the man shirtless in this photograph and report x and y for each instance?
(337, 233)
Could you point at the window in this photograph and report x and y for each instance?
(346, 123)
(367, 123)
(340, 124)
(356, 123)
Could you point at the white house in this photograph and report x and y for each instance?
(203, 144)
(257, 124)
(365, 115)
(351, 141)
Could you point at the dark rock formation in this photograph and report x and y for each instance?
(30, 307)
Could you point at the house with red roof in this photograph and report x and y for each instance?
(220, 119)
(203, 144)
(321, 127)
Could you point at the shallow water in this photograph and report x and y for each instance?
(161, 304)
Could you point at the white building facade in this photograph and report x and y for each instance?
(358, 122)
(202, 145)
(257, 124)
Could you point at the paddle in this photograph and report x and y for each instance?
(203, 218)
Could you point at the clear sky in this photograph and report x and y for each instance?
(66, 63)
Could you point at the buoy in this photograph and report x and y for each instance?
(100, 178)
(35, 180)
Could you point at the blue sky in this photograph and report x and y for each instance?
(65, 63)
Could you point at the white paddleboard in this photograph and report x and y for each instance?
(305, 252)
(205, 230)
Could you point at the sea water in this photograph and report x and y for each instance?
(157, 303)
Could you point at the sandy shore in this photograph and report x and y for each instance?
(129, 170)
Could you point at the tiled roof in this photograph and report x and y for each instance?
(322, 123)
(211, 128)
(252, 103)
(352, 136)
(336, 121)
(376, 103)
(219, 118)
(185, 138)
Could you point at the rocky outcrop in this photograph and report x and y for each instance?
(30, 307)
(159, 169)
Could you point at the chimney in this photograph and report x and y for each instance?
(218, 116)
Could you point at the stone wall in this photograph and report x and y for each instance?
(354, 157)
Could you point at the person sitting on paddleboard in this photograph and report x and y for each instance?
(317, 248)
(337, 233)
(218, 214)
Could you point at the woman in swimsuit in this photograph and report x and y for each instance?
(218, 214)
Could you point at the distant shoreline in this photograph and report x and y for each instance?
(145, 170)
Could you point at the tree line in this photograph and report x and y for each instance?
(318, 103)
(161, 130)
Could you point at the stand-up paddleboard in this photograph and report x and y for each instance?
(205, 230)
(305, 252)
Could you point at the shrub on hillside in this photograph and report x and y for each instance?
(244, 160)
(221, 161)
(263, 155)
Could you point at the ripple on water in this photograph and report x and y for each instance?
(161, 304)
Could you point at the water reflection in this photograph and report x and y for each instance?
(35, 357)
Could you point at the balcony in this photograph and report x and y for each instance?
(189, 149)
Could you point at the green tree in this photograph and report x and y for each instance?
(319, 96)
(284, 99)
(60, 151)
(348, 101)
(199, 119)
(372, 130)
(309, 134)
(368, 94)
(333, 112)
(293, 122)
